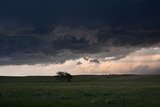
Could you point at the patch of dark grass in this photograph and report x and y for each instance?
(109, 101)
(11, 94)
(37, 93)
(0, 94)
(40, 92)
(105, 94)
(86, 94)
(63, 97)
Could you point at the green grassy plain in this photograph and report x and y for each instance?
(83, 91)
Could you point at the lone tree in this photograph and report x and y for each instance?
(64, 76)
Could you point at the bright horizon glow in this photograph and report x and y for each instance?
(144, 61)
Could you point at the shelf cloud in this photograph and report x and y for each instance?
(22, 45)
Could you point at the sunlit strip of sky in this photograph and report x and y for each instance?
(144, 61)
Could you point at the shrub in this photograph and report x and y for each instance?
(64, 76)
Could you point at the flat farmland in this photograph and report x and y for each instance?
(82, 91)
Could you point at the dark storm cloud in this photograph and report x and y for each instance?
(62, 43)
(81, 12)
(38, 31)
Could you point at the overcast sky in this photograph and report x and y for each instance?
(41, 37)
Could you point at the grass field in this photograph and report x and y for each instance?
(83, 91)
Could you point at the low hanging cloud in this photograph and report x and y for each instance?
(22, 45)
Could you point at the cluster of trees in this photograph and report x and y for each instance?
(64, 76)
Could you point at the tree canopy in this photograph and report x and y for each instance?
(64, 76)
